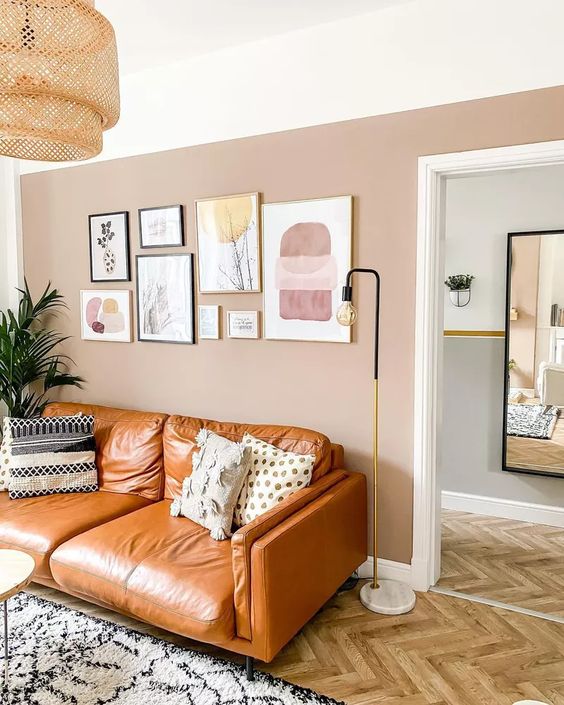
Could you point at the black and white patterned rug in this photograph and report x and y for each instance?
(531, 420)
(62, 657)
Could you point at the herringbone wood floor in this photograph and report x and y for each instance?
(538, 455)
(445, 652)
(505, 560)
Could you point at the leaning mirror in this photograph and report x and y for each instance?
(533, 440)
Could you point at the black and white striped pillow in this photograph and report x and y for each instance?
(51, 455)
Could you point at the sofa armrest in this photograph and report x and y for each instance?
(243, 539)
(296, 565)
(300, 564)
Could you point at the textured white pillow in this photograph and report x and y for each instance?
(274, 474)
(209, 494)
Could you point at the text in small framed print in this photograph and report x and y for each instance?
(243, 324)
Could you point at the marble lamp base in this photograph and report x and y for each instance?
(390, 597)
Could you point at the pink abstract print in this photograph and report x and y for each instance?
(104, 316)
(306, 273)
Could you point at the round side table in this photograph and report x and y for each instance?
(16, 571)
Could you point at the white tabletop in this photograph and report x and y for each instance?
(16, 569)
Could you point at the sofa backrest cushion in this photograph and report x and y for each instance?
(129, 450)
(179, 441)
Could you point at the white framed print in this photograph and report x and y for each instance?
(242, 324)
(165, 298)
(162, 226)
(106, 315)
(109, 247)
(307, 251)
(208, 322)
(228, 229)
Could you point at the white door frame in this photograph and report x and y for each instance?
(432, 173)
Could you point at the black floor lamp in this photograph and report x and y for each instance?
(383, 596)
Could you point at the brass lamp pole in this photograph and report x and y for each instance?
(382, 596)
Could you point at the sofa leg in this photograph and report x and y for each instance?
(250, 667)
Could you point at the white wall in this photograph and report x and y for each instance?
(480, 211)
(421, 53)
(11, 259)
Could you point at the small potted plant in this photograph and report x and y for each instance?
(459, 288)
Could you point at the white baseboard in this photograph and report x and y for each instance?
(387, 570)
(503, 508)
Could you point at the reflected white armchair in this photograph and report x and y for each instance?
(550, 384)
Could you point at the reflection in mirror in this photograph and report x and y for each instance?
(534, 354)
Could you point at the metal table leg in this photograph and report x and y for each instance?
(6, 654)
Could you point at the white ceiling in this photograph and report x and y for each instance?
(154, 32)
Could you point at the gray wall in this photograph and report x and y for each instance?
(472, 427)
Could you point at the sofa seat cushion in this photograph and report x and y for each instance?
(37, 525)
(164, 570)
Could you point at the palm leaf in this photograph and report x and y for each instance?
(31, 363)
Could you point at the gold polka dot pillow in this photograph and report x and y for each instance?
(274, 474)
(5, 455)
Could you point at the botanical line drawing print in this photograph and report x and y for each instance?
(235, 234)
(104, 242)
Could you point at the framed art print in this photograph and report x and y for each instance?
(306, 256)
(228, 231)
(165, 298)
(109, 247)
(242, 324)
(161, 227)
(208, 322)
(106, 315)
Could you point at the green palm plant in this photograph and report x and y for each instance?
(30, 363)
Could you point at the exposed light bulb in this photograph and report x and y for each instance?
(347, 314)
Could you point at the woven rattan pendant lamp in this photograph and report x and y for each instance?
(59, 85)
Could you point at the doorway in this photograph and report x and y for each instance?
(434, 171)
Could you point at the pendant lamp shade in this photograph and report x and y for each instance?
(59, 84)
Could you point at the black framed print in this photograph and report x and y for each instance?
(165, 298)
(162, 226)
(109, 247)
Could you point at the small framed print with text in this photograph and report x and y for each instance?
(242, 324)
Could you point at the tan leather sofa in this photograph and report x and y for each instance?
(121, 549)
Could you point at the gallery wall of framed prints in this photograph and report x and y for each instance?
(295, 253)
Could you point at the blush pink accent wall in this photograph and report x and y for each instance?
(320, 385)
(524, 296)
